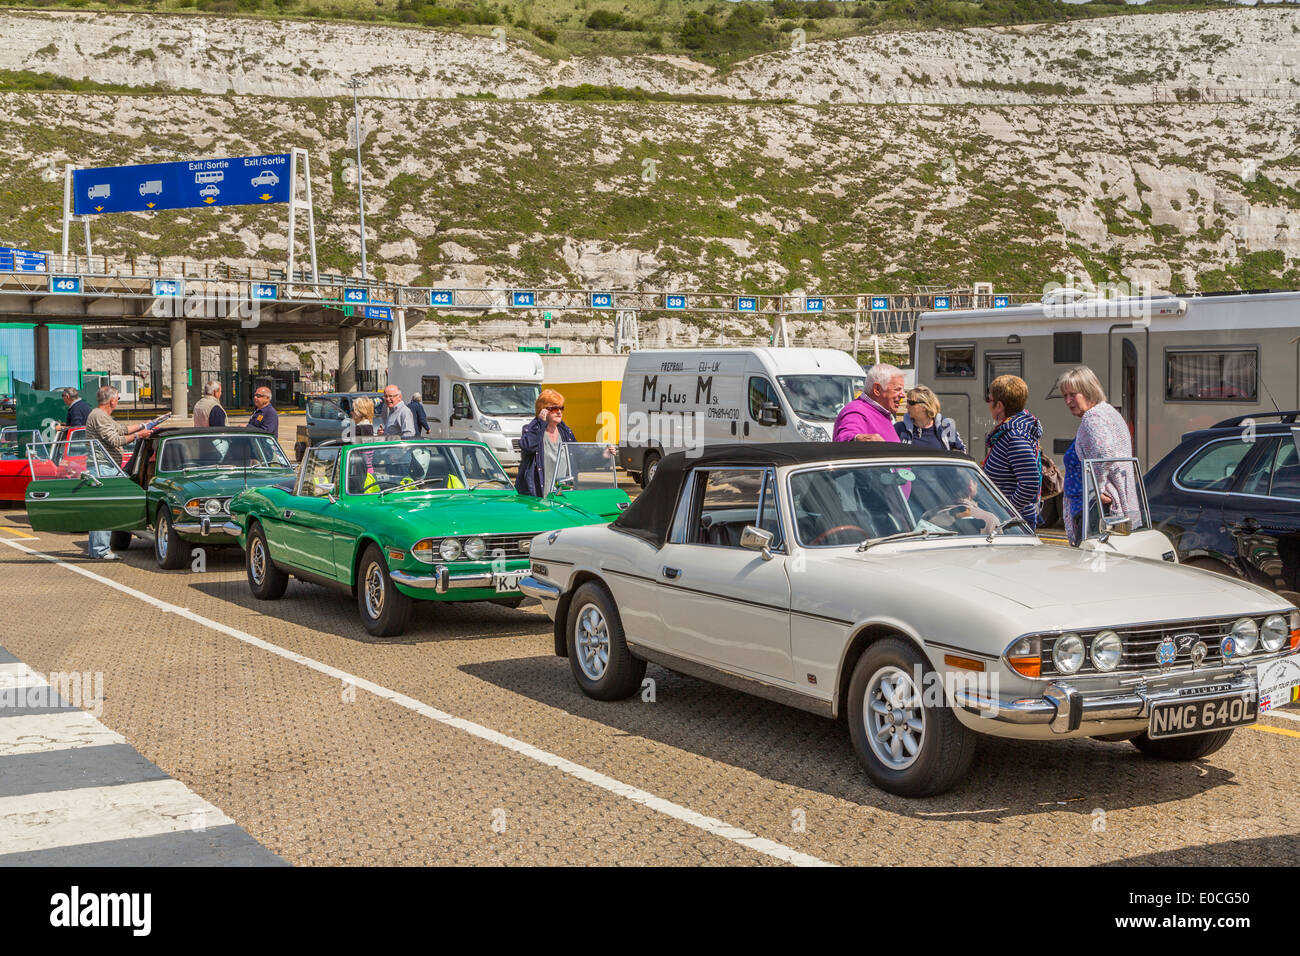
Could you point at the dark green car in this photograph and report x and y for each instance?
(395, 521)
(175, 491)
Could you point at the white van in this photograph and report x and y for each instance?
(480, 395)
(684, 398)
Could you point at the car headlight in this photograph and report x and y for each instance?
(1067, 653)
(1246, 633)
(811, 432)
(489, 424)
(475, 548)
(1274, 633)
(449, 549)
(1107, 649)
(212, 506)
(1026, 656)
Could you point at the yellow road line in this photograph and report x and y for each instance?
(1276, 730)
(16, 532)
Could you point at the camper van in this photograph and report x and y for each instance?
(683, 399)
(480, 395)
(1170, 365)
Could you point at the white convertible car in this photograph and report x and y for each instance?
(896, 586)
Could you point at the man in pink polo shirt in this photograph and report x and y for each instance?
(870, 416)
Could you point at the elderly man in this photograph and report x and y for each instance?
(112, 435)
(264, 417)
(208, 412)
(78, 409)
(395, 420)
(870, 416)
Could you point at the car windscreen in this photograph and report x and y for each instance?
(506, 398)
(185, 453)
(421, 466)
(839, 505)
(819, 397)
(584, 466)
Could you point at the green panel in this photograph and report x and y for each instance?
(598, 501)
(74, 504)
(37, 409)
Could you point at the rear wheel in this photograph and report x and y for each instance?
(119, 540)
(1191, 747)
(384, 609)
(598, 655)
(266, 580)
(649, 465)
(168, 548)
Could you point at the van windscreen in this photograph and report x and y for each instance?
(820, 397)
(506, 398)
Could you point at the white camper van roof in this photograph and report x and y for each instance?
(785, 361)
(504, 366)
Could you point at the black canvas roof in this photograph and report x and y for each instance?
(649, 516)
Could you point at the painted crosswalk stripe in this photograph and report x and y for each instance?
(60, 730)
(19, 675)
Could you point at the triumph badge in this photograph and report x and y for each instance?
(1166, 651)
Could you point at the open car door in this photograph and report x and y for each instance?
(85, 489)
(1115, 515)
(585, 477)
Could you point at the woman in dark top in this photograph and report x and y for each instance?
(923, 425)
(539, 445)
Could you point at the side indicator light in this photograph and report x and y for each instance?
(965, 663)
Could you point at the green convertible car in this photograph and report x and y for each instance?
(392, 521)
(175, 491)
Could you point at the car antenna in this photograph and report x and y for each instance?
(1270, 395)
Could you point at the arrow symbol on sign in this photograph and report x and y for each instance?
(149, 204)
(98, 208)
(209, 201)
(264, 196)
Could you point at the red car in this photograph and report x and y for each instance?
(67, 456)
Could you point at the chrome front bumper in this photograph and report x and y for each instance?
(442, 580)
(544, 591)
(1064, 708)
(206, 526)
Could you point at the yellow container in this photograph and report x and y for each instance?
(591, 386)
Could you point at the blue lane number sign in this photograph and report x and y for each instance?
(265, 290)
(442, 297)
(523, 299)
(65, 285)
(879, 303)
(382, 312)
(675, 302)
(167, 287)
(941, 302)
(746, 303)
(1001, 301)
(353, 296)
(814, 305)
(602, 300)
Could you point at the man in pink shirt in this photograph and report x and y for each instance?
(870, 416)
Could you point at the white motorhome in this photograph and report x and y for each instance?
(480, 395)
(128, 387)
(684, 399)
(1170, 364)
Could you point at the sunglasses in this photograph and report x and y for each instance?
(915, 402)
(555, 408)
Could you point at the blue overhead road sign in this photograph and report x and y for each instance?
(442, 297)
(355, 296)
(1001, 301)
(265, 290)
(879, 303)
(814, 305)
(20, 260)
(941, 302)
(674, 302)
(602, 300)
(65, 285)
(237, 181)
(167, 287)
(523, 299)
(379, 312)
(746, 303)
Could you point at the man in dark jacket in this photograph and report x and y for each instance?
(78, 410)
(264, 417)
(418, 412)
(539, 445)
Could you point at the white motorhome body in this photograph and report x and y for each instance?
(1170, 365)
(480, 395)
(128, 387)
(682, 399)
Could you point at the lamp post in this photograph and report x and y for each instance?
(355, 83)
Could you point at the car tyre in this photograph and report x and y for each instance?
(598, 654)
(649, 465)
(119, 540)
(912, 749)
(168, 547)
(1191, 747)
(266, 579)
(384, 609)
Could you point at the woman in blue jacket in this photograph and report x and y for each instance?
(539, 445)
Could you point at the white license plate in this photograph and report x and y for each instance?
(1197, 715)
(508, 581)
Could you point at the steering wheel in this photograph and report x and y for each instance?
(839, 527)
(488, 481)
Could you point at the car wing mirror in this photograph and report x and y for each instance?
(756, 539)
(88, 479)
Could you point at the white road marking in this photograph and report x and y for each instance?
(41, 821)
(61, 730)
(708, 824)
(1280, 713)
(19, 675)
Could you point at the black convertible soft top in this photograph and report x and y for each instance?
(649, 516)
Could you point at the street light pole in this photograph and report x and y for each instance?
(355, 83)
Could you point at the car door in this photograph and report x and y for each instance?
(324, 419)
(723, 604)
(1263, 516)
(1195, 509)
(304, 527)
(760, 394)
(91, 494)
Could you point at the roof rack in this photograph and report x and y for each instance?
(1287, 418)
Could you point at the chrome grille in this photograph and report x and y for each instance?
(511, 544)
(1140, 644)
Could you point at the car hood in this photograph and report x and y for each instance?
(476, 512)
(211, 482)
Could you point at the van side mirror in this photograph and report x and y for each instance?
(756, 539)
(769, 414)
(460, 411)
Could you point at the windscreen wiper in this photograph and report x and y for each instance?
(1017, 520)
(903, 535)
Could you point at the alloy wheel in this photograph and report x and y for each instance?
(257, 560)
(895, 717)
(592, 641)
(374, 590)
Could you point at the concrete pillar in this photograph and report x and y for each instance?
(227, 370)
(128, 361)
(179, 364)
(261, 357)
(41, 378)
(243, 396)
(347, 360)
(196, 368)
(155, 374)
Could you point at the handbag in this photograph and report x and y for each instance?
(1053, 482)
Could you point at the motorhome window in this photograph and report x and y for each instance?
(954, 361)
(820, 397)
(1003, 363)
(1067, 348)
(430, 387)
(506, 398)
(1214, 466)
(1212, 375)
(761, 392)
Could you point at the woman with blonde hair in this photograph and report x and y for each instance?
(1103, 433)
(923, 425)
(539, 445)
(363, 417)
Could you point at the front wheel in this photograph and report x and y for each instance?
(384, 609)
(266, 580)
(119, 540)
(909, 745)
(598, 655)
(168, 547)
(1191, 747)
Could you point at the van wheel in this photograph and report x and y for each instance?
(649, 465)
(907, 746)
(598, 656)
(384, 609)
(119, 540)
(266, 580)
(168, 548)
(1191, 747)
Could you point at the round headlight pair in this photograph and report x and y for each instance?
(1275, 633)
(473, 549)
(1245, 633)
(1068, 652)
(212, 506)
